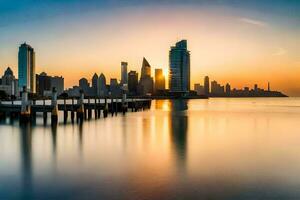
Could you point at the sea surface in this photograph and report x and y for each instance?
(247, 148)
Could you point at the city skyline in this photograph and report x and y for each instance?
(232, 40)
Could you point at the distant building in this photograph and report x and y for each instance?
(114, 87)
(159, 80)
(206, 86)
(45, 83)
(227, 89)
(73, 92)
(94, 84)
(9, 84)
(124, 77)
(59, 83)
(146, 81)
(101, 85)
(84, 85)
(217, 89)
(179, 73)
(199, 89)
(132, 82)
(26, 67)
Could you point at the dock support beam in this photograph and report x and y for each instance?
(25, 106)
(54, 113)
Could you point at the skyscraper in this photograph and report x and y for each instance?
(179, 76)
(227, 89)
(132, 82)
(146, 81)
(101, 85)
(26, 66)
(206, 85)
(84, 85)
(159, 80)
(146, 69)
(124, 78)
(94, 84)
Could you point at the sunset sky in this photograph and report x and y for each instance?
(241, 42)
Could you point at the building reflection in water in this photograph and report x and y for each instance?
(26, 162)
(54, 138)
(178, 123)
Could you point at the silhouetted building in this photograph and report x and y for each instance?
(132, 82)
(124, 78)
(73, 92)
(159, 80)
(114, 87)
(227, 89)
(94, 85)
(43, 84)
(179, 77)
(146, 81)
(101, 85)
(206, 86)
(84, 85)
(269, 89)
(199, 89)
(26, 67)
(217, 89)
(9, 84)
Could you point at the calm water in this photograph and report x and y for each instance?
(199, 149)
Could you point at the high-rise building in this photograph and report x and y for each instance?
(26, 66)
(132, 82)
(114, 87)
(94, 84)
(146, 69)
(159, 80)
(124, 77)
(206, 85)
(101, 85)
(84, 85)
(179, 73)
(146, 81)
(43, 84)
(227, 89)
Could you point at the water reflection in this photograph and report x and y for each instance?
(168, 152)
(26, 164)
(178, 123)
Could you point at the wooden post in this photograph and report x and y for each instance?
(54, 113)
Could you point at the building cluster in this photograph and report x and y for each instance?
(129, 83)
(41, 84)
(214, 89)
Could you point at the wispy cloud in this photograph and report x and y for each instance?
(280, 51)
(253, 22)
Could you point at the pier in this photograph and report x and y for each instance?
(79, 109)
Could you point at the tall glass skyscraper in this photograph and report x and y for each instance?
(179, 73)
(26, 67)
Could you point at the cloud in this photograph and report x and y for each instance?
(280, 51)
(253, 22)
